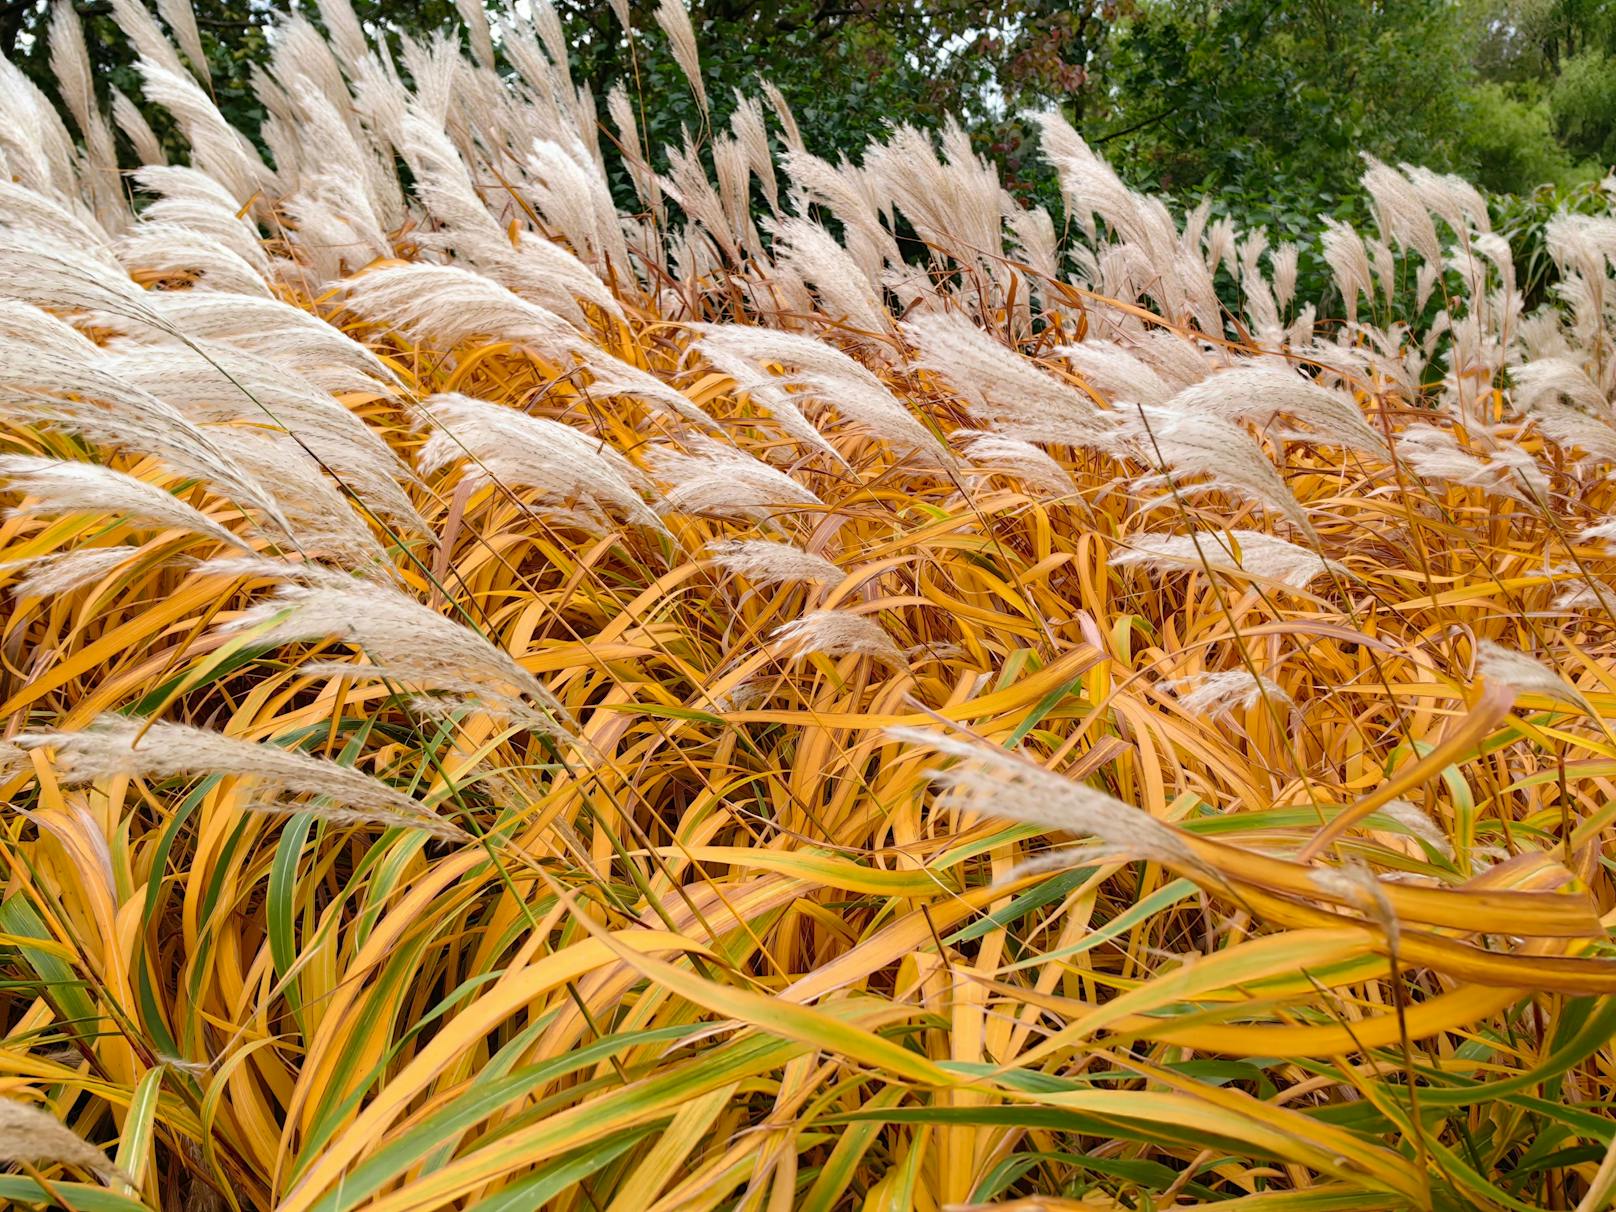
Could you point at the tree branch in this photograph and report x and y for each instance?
(1138, 126)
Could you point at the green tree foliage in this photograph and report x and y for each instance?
(1527, 41)
(1509, 140)
(1583, 104)
(1208, 94)
(1548, 92)
(1265, 105)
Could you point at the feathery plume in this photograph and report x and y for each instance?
(51, 374)
(767, 392)
(746, 124)
(1175, 360)
(1435, 454)
(52, 575)
(1248, 552)
(1218, 694)
(954, 205)
(782, 111)
(547, 24)
(687, 184)
(1400, 212)
(845, 193)
(214, 383)
(398, 634)
(569, 189)
(51, 274)
(768, 563)
(145, 35)
(34, 141)
(1348, 260)
(217, 148)
(824, 373)
(611, 376)
(475, 17)
(512, 448)
(322, 520)
(1004, 389)
(646, 185)
(181, 20)
(1419, 823)
(674, 19)
(449, 305)
(998, 453)
(1174, 271)
(70, 64)
(1285, 259)
(1196, 445)
(720, 481)
(1032, 234)
(1452, 199)
(31, 1134)
(171, 250)
(56, 487)
(1549, 382)
(191, 199)
(347, 35)
(276, 330)
(838, 633)
(992, 781)
(23, 208)
(1221, 239)
(1260, 393)
(122, 745)
(1116, 373)
(1525, 675)
(823, 263)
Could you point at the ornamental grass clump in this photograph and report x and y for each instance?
(518, 697)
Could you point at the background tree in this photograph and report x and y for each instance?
(1265, 105)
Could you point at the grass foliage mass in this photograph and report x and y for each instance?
(824, 689)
